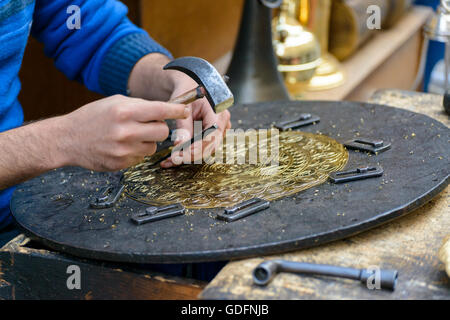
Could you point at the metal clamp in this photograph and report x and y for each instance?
(304, 120)
(108, 197)
(152, 214)
(370, 145)
(243, 209)
(357, 174)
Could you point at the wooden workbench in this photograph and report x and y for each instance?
(409, 244)
(30, 271)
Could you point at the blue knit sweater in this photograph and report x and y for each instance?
(100, 54)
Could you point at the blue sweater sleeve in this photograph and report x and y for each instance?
(102, 52)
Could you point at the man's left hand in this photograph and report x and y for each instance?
(202, 111)
(149, 81)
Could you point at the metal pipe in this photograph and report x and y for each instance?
(265, 272)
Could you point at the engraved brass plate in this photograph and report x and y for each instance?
(304, 161)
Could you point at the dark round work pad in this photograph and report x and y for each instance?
(54, 208)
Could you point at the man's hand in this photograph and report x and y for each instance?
(200, 110)
(106, 135)
(148, 80)
(117, 132)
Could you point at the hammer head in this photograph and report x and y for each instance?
(204, 73)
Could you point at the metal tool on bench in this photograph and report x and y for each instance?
(304, 120)
(108, 198)
(374, 146)
(356, 174)
(243, 209)
(211, 84)
(265, 272)
(155, 213)
(109, 195)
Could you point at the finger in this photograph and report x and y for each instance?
(153, 131)
(207, 114)
(210, 117)
(200, 149)
(228, 125)
(145, 149)
(139, 150)
(223, 120)
(167, 163)
(175, 159)
(145, 111)
(212, 142)
(144, 132)
(187, 155)
(185, 128)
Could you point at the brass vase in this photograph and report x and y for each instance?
(296, 48)
(315, 15)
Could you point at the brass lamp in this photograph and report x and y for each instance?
(315, 14)
(296, 48)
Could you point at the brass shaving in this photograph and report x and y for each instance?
(305, 160)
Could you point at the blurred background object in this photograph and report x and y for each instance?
(434, 57)
(253, 72)
(349, 22)
(396, 10)
(438, 29)
(348, 25)
(341, 28)
(447, 102)
(296, 48)
(315, 14)
(444, 254)
(209, 29)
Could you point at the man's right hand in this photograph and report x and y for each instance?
(117, 132)
(106, 135)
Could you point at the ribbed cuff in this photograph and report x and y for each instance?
(120, 59)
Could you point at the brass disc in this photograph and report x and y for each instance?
(304, 161)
